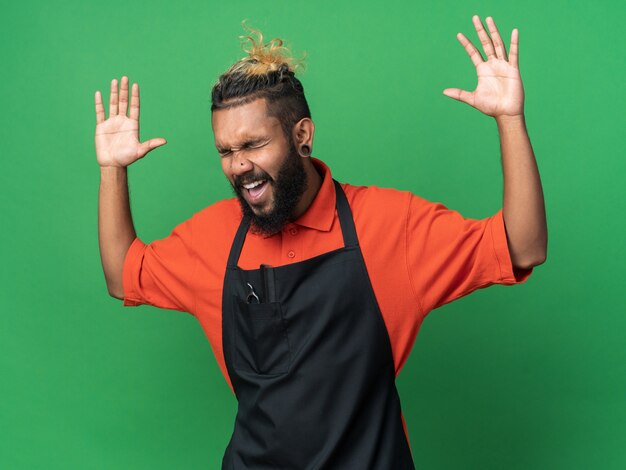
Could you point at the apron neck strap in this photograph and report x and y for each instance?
(345, 219)
(240, 237)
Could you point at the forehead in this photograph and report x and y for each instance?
(233, 125)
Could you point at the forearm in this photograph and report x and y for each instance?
(116, 231)
(523, 205)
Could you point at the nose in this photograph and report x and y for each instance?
(239, 164)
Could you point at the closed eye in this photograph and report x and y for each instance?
(251, 144)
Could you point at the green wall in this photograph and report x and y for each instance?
(525, 377)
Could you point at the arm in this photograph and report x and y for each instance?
(523, 209)
(116, 231)
(500, 94)
(117, 146)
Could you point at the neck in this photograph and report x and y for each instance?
(313, 184)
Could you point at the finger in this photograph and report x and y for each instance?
(513, 58)
(113, 99)
(134, 102)
(484, 38)
(124, 96)
(497, 40)
(148, 145)
(460, 95)
(99, 108)
(474, 54)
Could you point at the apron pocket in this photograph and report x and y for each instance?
(261, 342)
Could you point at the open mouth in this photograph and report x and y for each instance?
(256, 189)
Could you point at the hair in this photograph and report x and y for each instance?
(267, 72)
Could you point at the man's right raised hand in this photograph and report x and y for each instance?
(117, 138)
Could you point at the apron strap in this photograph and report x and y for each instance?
(348, 230)
(345, 217)
(240, 237)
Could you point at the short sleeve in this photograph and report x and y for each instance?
(161, 273)
(450, 256)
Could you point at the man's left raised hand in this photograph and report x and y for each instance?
(499, 92)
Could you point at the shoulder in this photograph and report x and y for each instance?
(380, 214)
(377, 202)
(220, 219)
(228, 208)
(387, 211)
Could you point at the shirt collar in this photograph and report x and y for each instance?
(321, 212)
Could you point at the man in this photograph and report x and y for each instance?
(311, 292)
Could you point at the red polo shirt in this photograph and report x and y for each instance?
(419, 256)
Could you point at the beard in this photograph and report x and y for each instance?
(287, 189)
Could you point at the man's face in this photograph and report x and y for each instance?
(263, 167)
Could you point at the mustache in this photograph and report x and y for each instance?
(241, 180)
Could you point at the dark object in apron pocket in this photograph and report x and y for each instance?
(261, 341)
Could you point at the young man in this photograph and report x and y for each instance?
(312, 292)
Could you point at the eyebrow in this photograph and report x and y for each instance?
(246, 143)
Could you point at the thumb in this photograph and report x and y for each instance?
(458, 94)
(148, 145)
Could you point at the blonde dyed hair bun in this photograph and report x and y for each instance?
(264, 58)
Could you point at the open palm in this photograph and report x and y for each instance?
(117, 138)
(499, 91)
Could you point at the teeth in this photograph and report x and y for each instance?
(254, 184)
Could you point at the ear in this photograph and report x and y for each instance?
(302, 132)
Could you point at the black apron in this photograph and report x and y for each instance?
(310, 361)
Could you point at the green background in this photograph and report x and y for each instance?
(525, 377)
